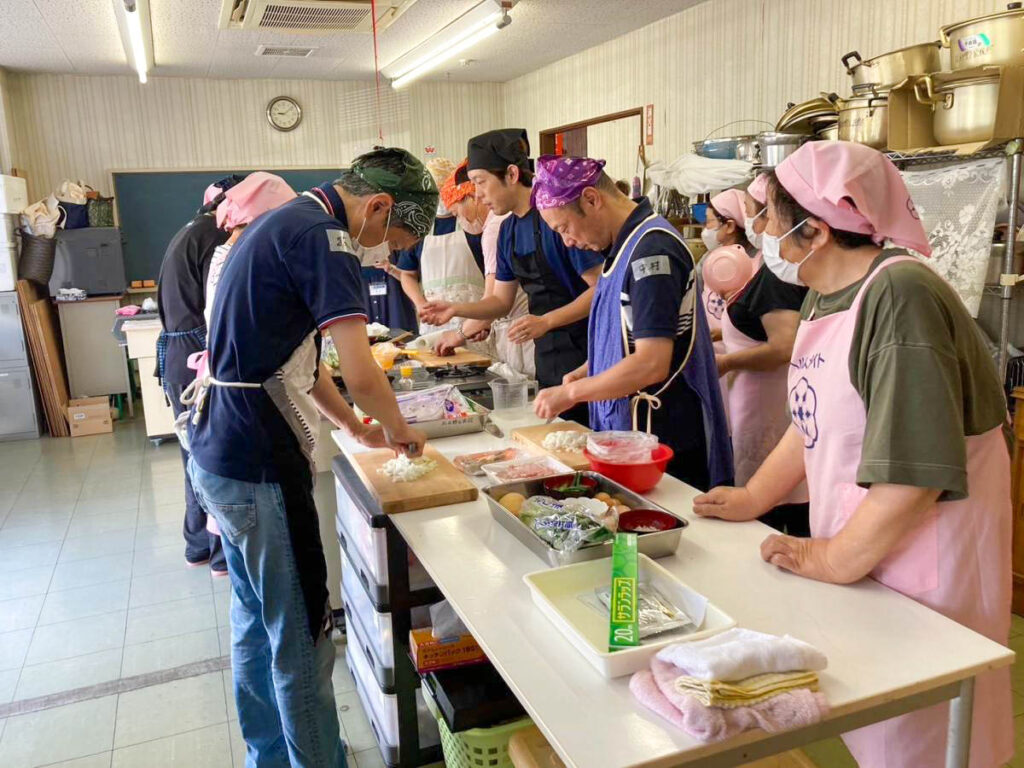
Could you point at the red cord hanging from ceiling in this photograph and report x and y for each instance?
(376, 70)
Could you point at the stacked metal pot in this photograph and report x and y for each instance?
(864, 116)
(963, 100)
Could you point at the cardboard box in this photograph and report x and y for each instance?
(429, 654)
(89, 416)
(910, 122)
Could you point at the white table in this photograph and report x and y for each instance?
(887, 654)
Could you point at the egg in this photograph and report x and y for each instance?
(602, 496)
(620, 508)
(513, 502)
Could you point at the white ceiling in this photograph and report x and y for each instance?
(81, 36)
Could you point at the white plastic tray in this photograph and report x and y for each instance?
(557, 593)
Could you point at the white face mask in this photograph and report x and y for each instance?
(748, 227)
(786, 271)
(710, 238)
(387, 226)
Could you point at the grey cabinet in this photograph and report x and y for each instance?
(19, 406)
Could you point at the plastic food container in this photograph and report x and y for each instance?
(556, 592)
(524, 468)
(373, 628)
(622, 447)
(382, 709)
(641, 476)
(552, 484)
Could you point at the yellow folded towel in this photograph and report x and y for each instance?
(741, 693)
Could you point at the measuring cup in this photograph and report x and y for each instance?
(511, 394)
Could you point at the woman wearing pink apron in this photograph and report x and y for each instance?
(897, 416)
(723, 226)
(758, 330)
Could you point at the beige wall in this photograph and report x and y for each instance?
(719, 61)
(6, 125)
(79, 127)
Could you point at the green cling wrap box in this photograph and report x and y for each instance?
(624, 628)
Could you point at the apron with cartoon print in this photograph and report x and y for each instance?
(956, 561)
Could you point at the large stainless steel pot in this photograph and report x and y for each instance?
(776, 147)
(964, 108)
(829, 134)
(996, 39)
(891, 69)
(865, 120)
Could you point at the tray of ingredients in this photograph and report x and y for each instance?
(577, 599)
(573, 517)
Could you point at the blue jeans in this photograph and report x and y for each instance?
(286, 707)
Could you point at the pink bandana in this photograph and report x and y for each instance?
(560, 180)
(730, 205)
(258, 193)
(758, 188)
(856, 189)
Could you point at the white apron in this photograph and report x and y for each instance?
(448, 272)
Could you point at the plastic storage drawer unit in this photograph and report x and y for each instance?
(373, 628)
(368, 549)
(382, 709)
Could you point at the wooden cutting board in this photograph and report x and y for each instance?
(532, 439)
(445, 485)
(462, 356)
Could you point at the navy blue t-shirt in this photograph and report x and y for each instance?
(567, 263)
(287, 277)
(410, 260)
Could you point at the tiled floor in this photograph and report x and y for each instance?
(93, 588)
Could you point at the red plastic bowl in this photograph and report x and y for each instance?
(639, 478)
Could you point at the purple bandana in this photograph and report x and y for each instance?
(560, 180)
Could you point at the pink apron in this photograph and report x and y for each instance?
(957, 561)
(714, 309)
(757, 411)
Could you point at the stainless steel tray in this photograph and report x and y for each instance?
(660, 544)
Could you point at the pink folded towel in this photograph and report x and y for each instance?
(655, 690)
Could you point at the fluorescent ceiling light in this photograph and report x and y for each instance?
(469, 29)
(133, 20)
(138, 46)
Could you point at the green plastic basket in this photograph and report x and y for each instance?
(479, 747)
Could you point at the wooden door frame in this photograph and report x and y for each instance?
(547, 136)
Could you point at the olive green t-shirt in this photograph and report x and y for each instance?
(920, 365)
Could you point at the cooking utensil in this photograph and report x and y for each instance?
(892, 68)
(532, 438)
(659, 544)
(731, 148)
(798, 117)
(995, 39)
(442, 486)
(865, 120)
(964, 108)
(776, 147)
(828, 134)
(462, 357)
(511, 394)
(646, 520)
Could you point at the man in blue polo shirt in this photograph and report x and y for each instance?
(291, 277)
(558, 280)
(651, 364)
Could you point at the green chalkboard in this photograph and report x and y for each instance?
(153, 205)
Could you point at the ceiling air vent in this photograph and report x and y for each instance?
(285, 51)
(309, 16)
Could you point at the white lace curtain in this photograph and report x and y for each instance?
(958, 206)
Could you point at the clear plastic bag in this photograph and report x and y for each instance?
(564, 526)
(657, 615)
(623, 447)
(445, 622)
